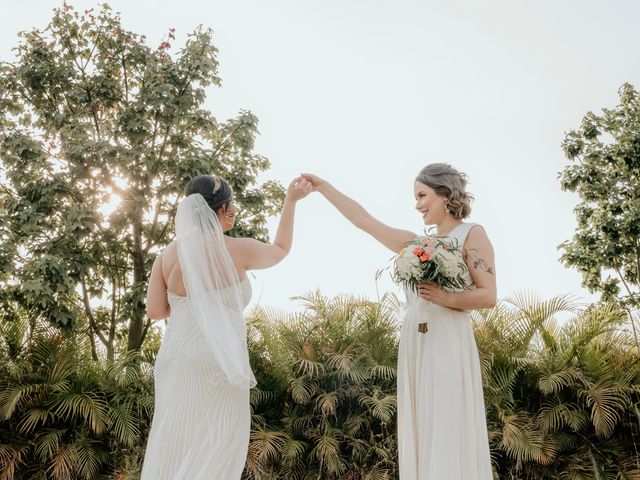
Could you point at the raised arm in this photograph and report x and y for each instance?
(256, 255)
(393, 238)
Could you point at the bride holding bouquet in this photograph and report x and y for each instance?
(442, 432)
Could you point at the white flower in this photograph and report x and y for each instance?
(408, 266)
(449, 262)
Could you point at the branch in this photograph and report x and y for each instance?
(87, 308)
(626, 286)
(112, 327)
(155, 130)
(629, 312)
(25, 97)
(95, 44)
(145, 330)
(638, 261)
(84, 79)
(94, 353)
(163, 146)
(66, 99)
(119, 277)
(225, 142)
(8, 191)
(154, 224)
(187, 81)
(94, 115)
(137, 252)
(126, 80)
(152, 241)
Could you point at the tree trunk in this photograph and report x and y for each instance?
(136, 324)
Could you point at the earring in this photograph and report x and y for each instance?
(230, 213)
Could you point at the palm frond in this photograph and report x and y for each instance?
(383, 407)
(124, 422)
(606, 401)
(88, 405)
(48, 443)
(11, 457)
(549, 383)
(302, 389)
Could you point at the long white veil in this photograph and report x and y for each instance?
(213, 287)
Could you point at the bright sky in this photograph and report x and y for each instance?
(365, 93)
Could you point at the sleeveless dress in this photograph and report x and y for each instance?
(442, 430)
(201, 423)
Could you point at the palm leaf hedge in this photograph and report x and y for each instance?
(561, 383)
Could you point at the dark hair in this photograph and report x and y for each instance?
(216, 191)
(450, 183)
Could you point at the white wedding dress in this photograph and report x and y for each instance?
(201, 423)
(442, 431)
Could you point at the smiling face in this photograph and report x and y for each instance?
(430, 204)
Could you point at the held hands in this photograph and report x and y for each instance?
(432, 293)
(316, 182)
(298, 189)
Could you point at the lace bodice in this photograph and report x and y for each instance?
(183, 336)
(177, 300)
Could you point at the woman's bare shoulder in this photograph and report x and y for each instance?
(170, 252)
(477, 234)
(240, 244)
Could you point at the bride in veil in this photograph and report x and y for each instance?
(201, 423)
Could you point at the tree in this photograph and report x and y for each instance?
(605, 172)
(89, 113)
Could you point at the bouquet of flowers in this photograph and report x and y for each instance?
(431, 259)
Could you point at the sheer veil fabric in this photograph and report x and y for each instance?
(213, 287)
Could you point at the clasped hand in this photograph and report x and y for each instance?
(298, 189)
(432, 293)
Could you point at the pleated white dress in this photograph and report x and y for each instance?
(442, 430)
(201, 423)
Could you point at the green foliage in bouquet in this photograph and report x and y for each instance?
(431, 259)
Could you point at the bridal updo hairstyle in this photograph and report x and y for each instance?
(449, 183)
(216, 191)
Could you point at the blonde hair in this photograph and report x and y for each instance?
(449, 183)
